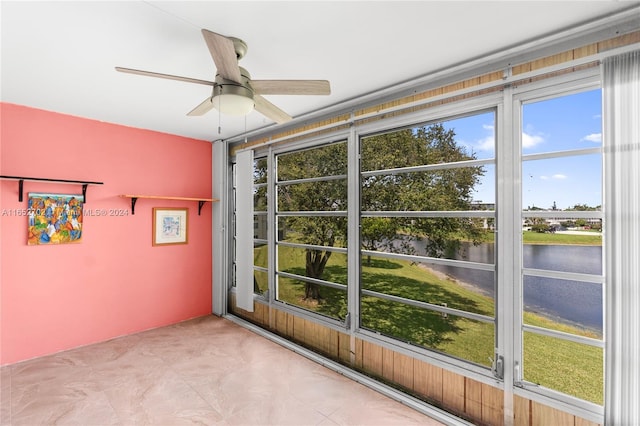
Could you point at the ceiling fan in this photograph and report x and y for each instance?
(234, 92)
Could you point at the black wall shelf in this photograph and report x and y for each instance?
(21, 180)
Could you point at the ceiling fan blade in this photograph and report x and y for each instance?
(291, 87)
(204, 107)
(271, 111)
(224, 55)
(167, 76)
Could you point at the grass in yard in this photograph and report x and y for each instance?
(530, 237)
(565, 366)
(555, 238)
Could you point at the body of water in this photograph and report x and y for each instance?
(573, 302)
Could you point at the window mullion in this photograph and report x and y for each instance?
(272, 202)
(353, 238)
(507, 258)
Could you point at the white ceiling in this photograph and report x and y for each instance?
(60, 56)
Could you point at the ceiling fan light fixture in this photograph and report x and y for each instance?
(232, 99)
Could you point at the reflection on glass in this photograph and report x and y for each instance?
(564, 366)
(332, 302)
(564, 305)
(460, 337)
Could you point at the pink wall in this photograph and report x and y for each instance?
(114, 282)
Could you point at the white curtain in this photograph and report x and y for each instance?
(621, 136)
(244, 230)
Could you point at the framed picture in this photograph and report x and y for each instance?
(54, 218)
(170, 226)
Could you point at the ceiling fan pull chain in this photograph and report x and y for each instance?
(219, 118)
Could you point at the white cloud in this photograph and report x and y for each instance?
(559, 176)
(544, 177)
(529, 141)
(593, 137)
(486, 144)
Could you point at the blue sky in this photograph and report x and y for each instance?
(559, 124)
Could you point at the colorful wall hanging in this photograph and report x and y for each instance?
(54, 218)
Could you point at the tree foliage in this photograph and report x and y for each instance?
(382, 190)
(433, 190)
(319, 196)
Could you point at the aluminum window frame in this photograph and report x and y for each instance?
(488, 103)
(340, 138)
(556, 87)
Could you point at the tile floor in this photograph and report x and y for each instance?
(206, 371)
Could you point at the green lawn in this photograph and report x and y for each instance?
(565, 366)
(529, 237)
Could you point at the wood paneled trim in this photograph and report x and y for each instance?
(623, 40)
(453, 391)
(344, 348)
(542, 415)
(403, 370)
(281, 325)
(290, 135)
(427, 381)
(577, 53)
(387, 364)
(521, 411)
(473, 398)
(492, 405)
(582, 422)
(298, 329)
(372, 358)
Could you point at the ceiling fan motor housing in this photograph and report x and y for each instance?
(231, 97)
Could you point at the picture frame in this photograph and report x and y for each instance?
(170, 226)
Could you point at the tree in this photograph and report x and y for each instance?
(322, 196)
(437, 190)
(430, 190)
(538, 224)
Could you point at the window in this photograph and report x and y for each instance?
(394, 233)
(426, 232)
(311, 210)
(562, 245)
(260, 227)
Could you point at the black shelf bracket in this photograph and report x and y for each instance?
(21, 180)
(134, 199)
(133, 205)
